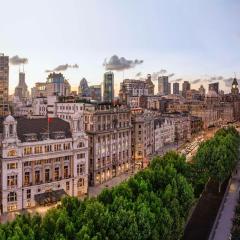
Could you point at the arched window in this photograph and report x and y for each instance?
(10, 129)
(80, 182)
(81, 144)
(12, 197)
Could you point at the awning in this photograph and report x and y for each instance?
(50, 197)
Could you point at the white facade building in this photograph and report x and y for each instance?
(164, 133)
(38, 167)
(67, 110)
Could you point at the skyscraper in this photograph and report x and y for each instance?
(108, 87)
(169, 88)
(95, 92)
(4, 81)
(83, 89)
(21, 90)
(150, 85)
(185, 87)
(176, 88)
(57, 85)
(202, 90)
(163, 85)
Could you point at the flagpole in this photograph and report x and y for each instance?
(48, 126)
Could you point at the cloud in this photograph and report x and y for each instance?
(177, 80)
(228, 82)
(159, 73)
(139, 74)
(213, 79)
(120, 64)
(63, 67)
(16, 60)
(196, 81)
(155, 75)
(163, 71)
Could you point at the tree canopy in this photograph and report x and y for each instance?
(153, 204)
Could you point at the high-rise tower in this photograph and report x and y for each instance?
(163, 87)
(185, 87)
(4, 82)
(176, 88)
(108, 87)
(21, 90)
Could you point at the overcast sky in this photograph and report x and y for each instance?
(191, 38)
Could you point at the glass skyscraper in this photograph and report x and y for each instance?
(108, 87)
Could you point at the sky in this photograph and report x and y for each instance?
(194, 39)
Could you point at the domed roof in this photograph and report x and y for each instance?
(9, 118)
(212, 94)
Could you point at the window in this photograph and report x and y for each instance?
(12, 180)
(80, 182)
(80, 155)
(57, 147)
(12, 153)
(26, 178)
(28, 193)
(26, 164)
(67, 157)
(27, 150)
(37, 176)
(81, 144)
(38, 162)
(12, 197)
(11, 130)
(48, 148)
(12, 166)
(47, 175)
(65, 171)
(56, 173)
(58, 159)
(80, 169)
(67, 186)
(38, 149)
(66, 146)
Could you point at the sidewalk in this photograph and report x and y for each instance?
(95, 191)
(224, 225)
(42, 210)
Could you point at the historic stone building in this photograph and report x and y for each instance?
(135, 88)
(109, 132)
(41, 160)
(142, 137)
(164, 133)
(182, 124)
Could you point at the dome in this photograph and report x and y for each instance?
(212, 94)
(9, 118)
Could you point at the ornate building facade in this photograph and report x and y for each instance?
(109, 132)
(41, 161)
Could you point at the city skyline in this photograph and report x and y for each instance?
(156, 32)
